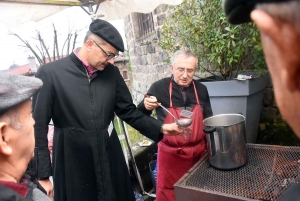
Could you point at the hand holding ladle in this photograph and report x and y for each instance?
(180, 122)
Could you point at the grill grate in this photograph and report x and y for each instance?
(269, 172)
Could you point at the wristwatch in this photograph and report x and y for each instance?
(162, 128)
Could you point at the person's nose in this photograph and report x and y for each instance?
(111, 61)
(184, 73)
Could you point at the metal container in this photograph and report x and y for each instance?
(226, 141)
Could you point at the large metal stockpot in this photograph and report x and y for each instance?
(226, 141)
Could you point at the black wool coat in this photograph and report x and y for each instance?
(88, 162)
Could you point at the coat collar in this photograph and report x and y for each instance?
(19, 188)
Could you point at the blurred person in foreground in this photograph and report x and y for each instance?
(17, 137)
(279, 24)
(81, 94)
(179, 93)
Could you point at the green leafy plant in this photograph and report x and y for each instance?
(222, 49)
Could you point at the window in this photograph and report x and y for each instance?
(125, 76)
(146, 24)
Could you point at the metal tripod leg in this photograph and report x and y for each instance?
(137, 173)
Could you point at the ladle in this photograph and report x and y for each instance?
(179, 122)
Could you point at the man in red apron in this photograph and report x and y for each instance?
(182, 95)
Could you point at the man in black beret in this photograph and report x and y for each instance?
(81, 94)
(17, 137)
(279, 25)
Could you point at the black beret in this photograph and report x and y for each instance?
(107, 32)
(15, 89)
(238, 11)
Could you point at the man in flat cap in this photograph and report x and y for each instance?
(279, 25)
(17, 137)
(81, 94)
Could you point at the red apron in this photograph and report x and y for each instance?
(176, 155)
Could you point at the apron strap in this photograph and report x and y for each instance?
(196, 93)
(170, 92)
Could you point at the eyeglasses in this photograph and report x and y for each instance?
(108, 55)
(182, 70)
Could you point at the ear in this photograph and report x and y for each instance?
(267, 25)
(285, 37)
(5, 148)
(291, 77)
(89, 44)
(171, 68)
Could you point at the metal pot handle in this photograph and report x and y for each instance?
(209, 129)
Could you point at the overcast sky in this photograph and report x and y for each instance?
(70, 19)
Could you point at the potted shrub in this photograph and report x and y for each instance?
(223, 51)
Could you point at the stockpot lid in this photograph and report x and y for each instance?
(224, 120)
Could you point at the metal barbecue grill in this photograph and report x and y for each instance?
(268, 173)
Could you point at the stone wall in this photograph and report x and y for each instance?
(147, 59)
(273, 128)
(148, 63)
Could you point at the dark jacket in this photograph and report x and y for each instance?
(24, 191)
(8, 194)
(88, 162)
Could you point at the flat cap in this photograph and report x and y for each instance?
(238, 11)
(15, 89)
(107, 32)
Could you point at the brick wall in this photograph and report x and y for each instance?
(123, 64)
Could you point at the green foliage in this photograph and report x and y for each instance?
(134, 135)
(222, 49)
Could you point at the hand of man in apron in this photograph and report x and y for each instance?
(150, 102)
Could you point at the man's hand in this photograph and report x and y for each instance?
(47, 185)
(172, 129)
(150, 103)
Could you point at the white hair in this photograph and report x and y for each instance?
(183, 54)
(12, 118)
